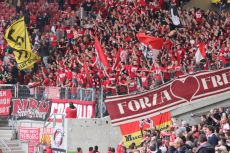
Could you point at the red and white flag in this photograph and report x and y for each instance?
(102, 61)
(153, 43)
(200, 53)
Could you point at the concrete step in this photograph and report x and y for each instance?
(6, 134)
(13, 145)
(17, 151)
(15, 148)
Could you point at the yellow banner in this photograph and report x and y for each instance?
(135, 137)
(17, 37)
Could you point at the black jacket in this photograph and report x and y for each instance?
(206, 148)
(44, 49)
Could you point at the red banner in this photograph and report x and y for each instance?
(5, 99)
(29, 134)
(187, 89)
(85, 109)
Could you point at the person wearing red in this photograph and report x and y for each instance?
(62, 76)
(71, 111)
(120, 148)
(48, 149)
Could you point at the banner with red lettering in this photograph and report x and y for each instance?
(133, 132)
(31, 109)
(31, 135)
(185, 90)
(85, 109)
(5, 99)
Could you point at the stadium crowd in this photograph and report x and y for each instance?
(62, 34)
(211, 135)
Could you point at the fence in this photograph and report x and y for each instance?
(48, 93)
(43, 93)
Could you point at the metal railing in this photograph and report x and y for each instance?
(41, 93)
(12, 87)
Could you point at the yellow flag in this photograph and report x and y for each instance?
(17, 37)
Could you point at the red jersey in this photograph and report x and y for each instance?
(71, 113)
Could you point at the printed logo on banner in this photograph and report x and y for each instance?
(57, 141)
(177, 88)
(46, 135)
(5, 99)
(31, 109)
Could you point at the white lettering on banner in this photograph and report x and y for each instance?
(143, 103)
(83, 111)
(2, 93)
(204, 82)
(120, 107)
(4, 101)
(30, 134)
(89, 111)
(165, 95)
(216, 80)
(135, 103)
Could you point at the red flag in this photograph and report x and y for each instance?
(85, 67)
(118, 58)
(154, 42)
(101, 54)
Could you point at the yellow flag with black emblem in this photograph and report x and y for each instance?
(17, 37)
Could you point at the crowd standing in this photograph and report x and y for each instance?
(62, 33)
(211, 135)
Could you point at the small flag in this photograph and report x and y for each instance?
(102, 61)
(175, 15)
(200, 53)
(118, 58)
(151, 46)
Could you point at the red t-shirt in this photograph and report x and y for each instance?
(132, 86)
(62, 76)
(53, 40)
(71, 113)
(46, 82)
(132, 71)
(144, 80)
